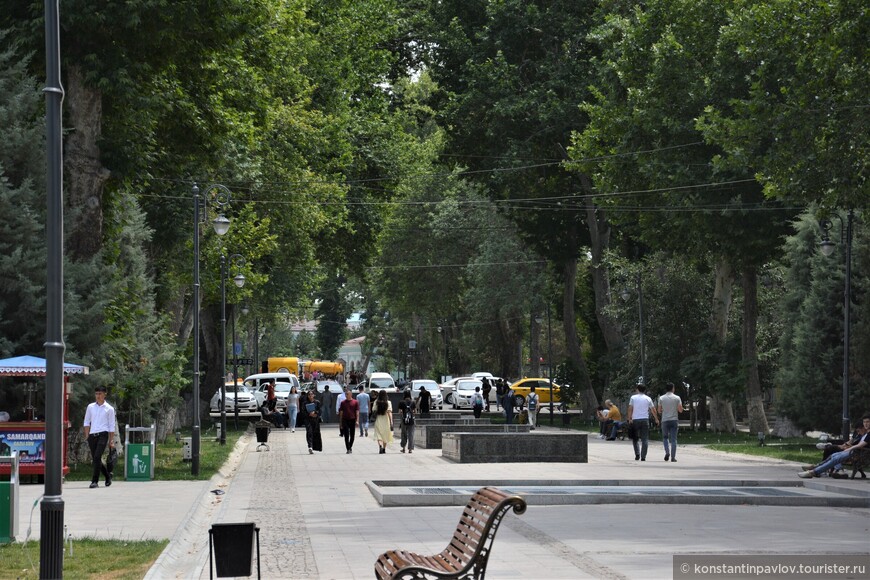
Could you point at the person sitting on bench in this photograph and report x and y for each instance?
(836, 460)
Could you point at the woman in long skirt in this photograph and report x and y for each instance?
(312, 423)
(383, 421)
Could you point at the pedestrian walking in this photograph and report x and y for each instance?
(487, 389)
(348, 416)
(312, 422)
(640, 406)
(383, 413)
(292, 407)
(325, 403)
(477, 402)
(670, 406)
(507, 403)
(532, 404)
(363, 399)
(424, 400)
(407, 427)
(99, 428)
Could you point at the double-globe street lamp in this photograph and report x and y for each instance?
(239, 280)
(827, 248)
(220, 196)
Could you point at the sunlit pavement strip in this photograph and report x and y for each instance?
(785, 493)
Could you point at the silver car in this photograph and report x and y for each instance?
(433, 388)
(248, 405)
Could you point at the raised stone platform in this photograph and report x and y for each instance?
(429, 435)
(481, 447)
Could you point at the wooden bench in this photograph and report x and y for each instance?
(468, 551)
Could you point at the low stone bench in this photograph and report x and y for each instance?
(429, 436)
(466, 447)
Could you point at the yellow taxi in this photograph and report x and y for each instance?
(522, 388)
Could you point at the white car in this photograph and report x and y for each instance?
(257, 384)
(381, 382)
(464, 391)
(248, 405)
(433, 388)
(447, 388)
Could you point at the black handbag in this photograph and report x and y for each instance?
(112, 460)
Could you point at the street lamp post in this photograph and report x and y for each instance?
(827, 248)
(239, 280)
(221, 196)
(52, 504)
(549, 357)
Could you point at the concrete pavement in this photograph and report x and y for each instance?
(319, 519)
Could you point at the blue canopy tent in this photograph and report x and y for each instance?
(28, 436)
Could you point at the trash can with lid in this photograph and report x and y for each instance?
(262, 429)
(139, 455)
(9, 501)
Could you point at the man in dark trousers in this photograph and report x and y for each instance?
(507, 402)
(99, 426)
(326, 405)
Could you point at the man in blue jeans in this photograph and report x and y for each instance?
(670, 406)
(363, 399)
(640, 406)
(837, 459)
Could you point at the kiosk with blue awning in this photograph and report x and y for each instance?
(22, 424)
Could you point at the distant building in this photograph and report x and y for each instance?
(351, 353)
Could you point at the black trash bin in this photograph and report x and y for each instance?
(262, 429)
(566, 419)
(233, 547)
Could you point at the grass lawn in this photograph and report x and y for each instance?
(169, 465)
(84, 558)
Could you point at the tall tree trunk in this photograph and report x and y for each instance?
(84, 173)
(721, 413)
(572, 343)
(599, 234)
(754, 401)
(210, 320)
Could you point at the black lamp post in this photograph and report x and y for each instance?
(52, 506)
(220, 195)
(626, 294)
(827, 248)
(239, 279)
(549, 358)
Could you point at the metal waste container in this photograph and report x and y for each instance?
(139, 455)
(262, 429)
(9, 501)
(233, 547)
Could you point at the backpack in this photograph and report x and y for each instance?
(533, 401)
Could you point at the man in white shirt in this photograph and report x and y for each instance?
(640, 406)
(670, 406)
(99, 427)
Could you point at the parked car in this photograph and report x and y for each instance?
(464, 391)
(433, 388)
(248, 406)
(522, 388)
(447, 388)
(381, 382)
(257, 383)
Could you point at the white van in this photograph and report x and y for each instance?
(381, 382)
(257, 384)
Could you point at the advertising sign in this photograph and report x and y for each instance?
(30, 446)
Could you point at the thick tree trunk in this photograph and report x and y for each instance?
(721, 413)
(599, 234)
(754, 401)
(210, 320)
(84, 173)
(571, 341)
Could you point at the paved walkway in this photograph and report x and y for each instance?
(318, 519)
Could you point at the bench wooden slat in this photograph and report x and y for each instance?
(467, 552)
